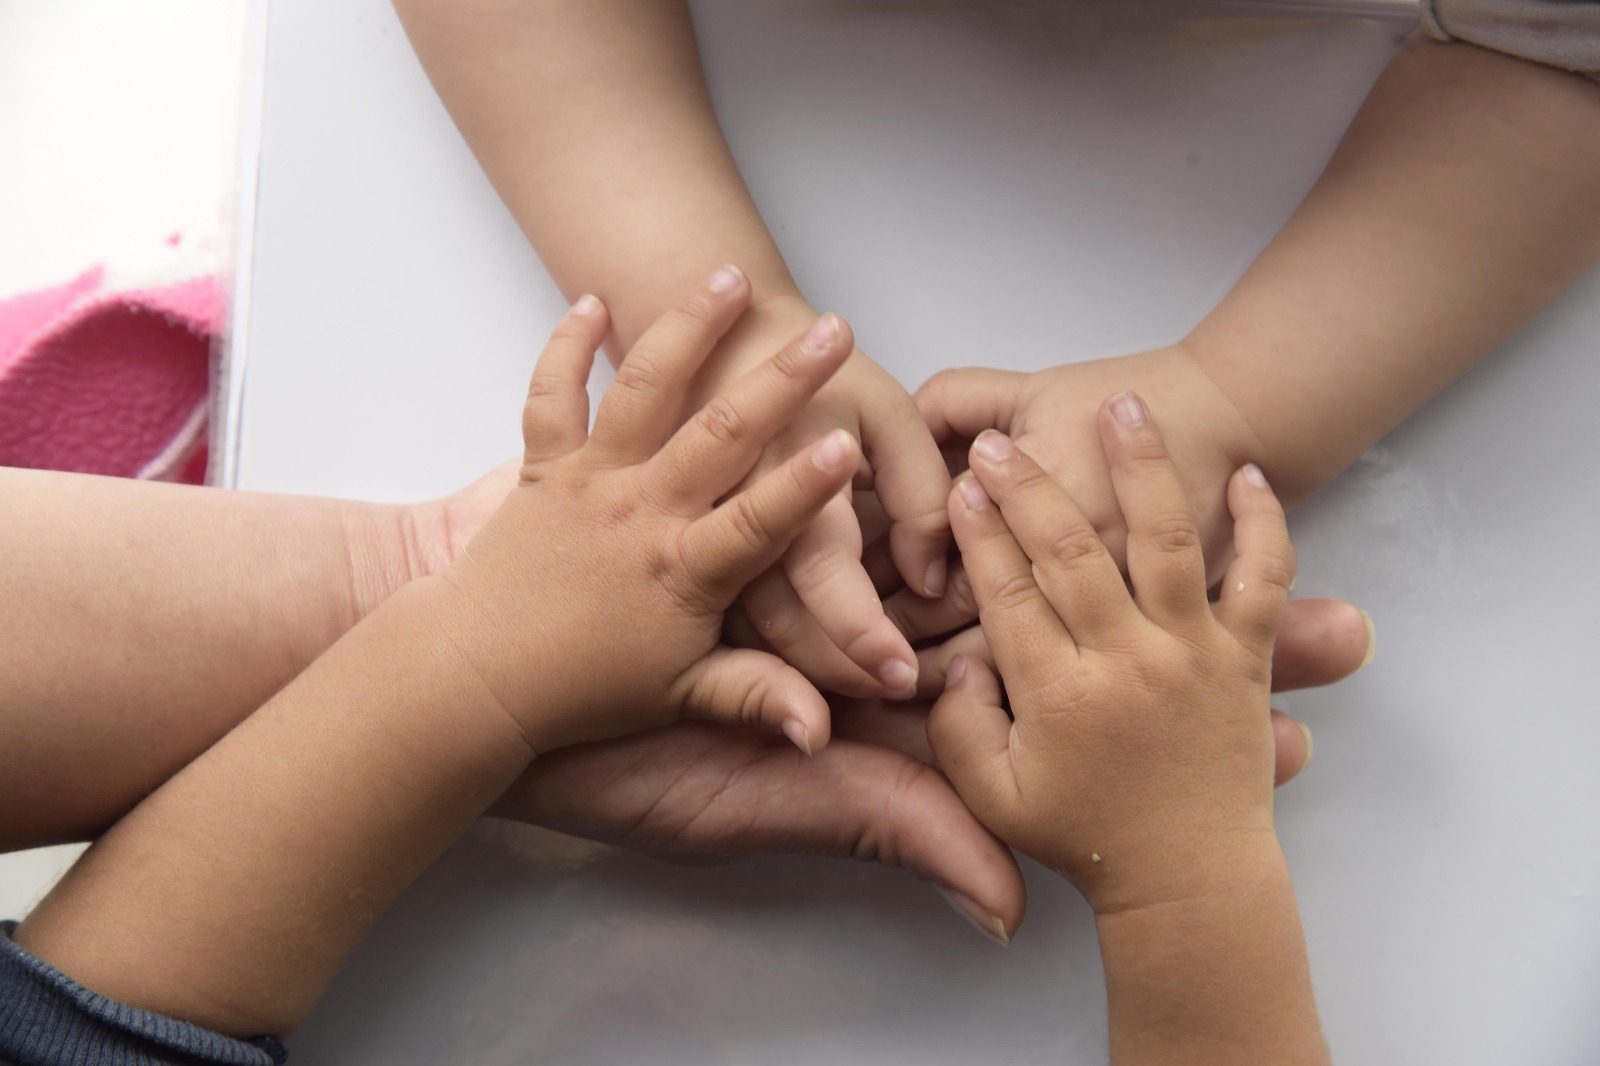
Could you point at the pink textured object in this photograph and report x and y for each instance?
(109, 382)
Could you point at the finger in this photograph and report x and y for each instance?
(912, 483)
(641, 406)
(1071, 564)
(1027, 636)
(1166, 563)
(770, 615)
(957, 405)
(1292, 744)
(933, 664)
(824, 566)
(1256, 586)
(875, 560)
(920, 618)
(716, 448)
(731, 546)
(555, 418)
(971, 738)
(1320, 642)
(751, 688)
(902, 727)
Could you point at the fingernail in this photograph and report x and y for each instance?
(1253, 474)
(726, 279)
(823, 332)
(980, 919)
(833, 451)
(993, 446)
(933, 581)
(1372, 640)
(957, 670)
(798, 735)
(898, 676)
(974, 495)
(587, 304)
(1128, 409)
(1305, 732)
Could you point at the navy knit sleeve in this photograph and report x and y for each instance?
(48, 1019)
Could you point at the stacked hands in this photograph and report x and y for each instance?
(779, 612)
(630, 634)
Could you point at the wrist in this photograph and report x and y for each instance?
(1189, 868)
(1219, 976)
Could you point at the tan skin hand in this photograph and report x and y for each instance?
(1051, 415)
(819, 609)
(632, 537)
(1141, 757)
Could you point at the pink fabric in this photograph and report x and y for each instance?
(109, 382)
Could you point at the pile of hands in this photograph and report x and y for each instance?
(727, 620)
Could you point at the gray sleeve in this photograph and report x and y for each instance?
(1557, 33)
(48, 1019)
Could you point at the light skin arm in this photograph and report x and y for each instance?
(1460, 202)
(144, 621)
(593, 121)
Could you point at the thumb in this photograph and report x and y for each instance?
(743, 686)
(971, 738)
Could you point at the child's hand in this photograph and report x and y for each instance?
(1050, 415)
(1140, 762)
(818, 608)
(594, 596)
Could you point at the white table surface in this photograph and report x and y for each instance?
(1102, 175)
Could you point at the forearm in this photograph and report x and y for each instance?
(1464, 197)
(592, 119)
(230, 897)
(143, 621)
(1218, 979)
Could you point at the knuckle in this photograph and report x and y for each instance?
(1147, 453)
(790, 363)
(1173, 533)
(641, 372)
(722, 421)
(545, 387)
(1012, 591)
(747, 523)
(1275, 568)
(1074, 545)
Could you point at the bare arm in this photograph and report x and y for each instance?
(143, 621)
(592, 119)
(1464, 198)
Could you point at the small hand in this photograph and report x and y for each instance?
(1140, 761)
(818, 609)
(591, 603)
(1051, 415)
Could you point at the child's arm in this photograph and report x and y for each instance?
(1464, 198)
(590, 605)
(592, 119)
(1139, 764)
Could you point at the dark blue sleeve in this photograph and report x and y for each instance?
(48, 1019)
